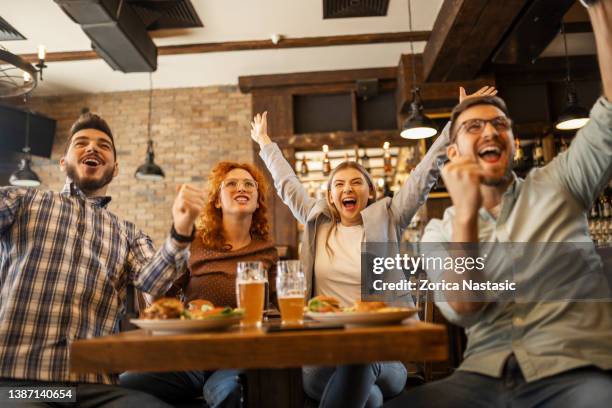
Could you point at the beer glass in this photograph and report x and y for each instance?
(251, 280)
(291, 291)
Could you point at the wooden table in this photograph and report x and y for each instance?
(259, 352)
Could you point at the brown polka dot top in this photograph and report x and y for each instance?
(212, 273)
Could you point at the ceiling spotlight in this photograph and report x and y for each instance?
(276, 38)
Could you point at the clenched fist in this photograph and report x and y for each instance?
(462, 177)
(188, 204)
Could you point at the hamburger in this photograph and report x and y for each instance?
(324, 304)
(164, 308)
(200, 305)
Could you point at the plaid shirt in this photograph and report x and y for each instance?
(65, 263)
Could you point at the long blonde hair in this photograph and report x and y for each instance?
(335, 215)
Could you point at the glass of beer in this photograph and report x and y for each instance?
(291, 291)
(251, 280)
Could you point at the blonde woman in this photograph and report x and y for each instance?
(334, 229)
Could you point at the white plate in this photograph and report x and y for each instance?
(172, 326)
(362, 318)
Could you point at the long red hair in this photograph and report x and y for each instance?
(210, 222)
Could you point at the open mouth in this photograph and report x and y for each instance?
(490, 154)
(241, 199)
(349, 204)
(92, 162)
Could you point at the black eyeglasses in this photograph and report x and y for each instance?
(476, 126)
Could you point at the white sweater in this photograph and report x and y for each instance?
(339, 274)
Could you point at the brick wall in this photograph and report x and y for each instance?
(192, 128)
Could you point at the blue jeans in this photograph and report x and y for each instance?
(219, 388)
(87, 396)
(587, 387)
(363, 385)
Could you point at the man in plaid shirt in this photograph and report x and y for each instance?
(65, 265)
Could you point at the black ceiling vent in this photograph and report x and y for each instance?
(162, 14)
(117, 33)
(354, 8)
(8, 32)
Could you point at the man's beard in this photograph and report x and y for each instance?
(500, 181)
(90, 185)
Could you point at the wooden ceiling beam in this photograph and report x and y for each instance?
(434, 94)
(578, 27)
(300, 79)
(464, 36)
(552, 69)
(305, 42)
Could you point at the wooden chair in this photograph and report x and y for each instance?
(428, 312)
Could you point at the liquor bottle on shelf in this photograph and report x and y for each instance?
(356, 153)
(600, 218)
(519, 154)
(605, 205)
(365, 161)
(326, 163)
(538, 154)
(304, 167)
(387, 168)
(594, 221)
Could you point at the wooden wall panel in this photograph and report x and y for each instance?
(280, 124)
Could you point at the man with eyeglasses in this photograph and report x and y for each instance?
(553, 353)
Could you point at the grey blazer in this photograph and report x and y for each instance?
(383, 221)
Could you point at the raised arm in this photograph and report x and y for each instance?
(587, 165)
(601, 19)
(287, 184)
(414, 192)
(154, 272)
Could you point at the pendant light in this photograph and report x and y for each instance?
(25, 176)
(574, 116)
(149, 170)
(417, 125)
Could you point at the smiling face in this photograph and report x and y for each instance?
(238, 193)
(90, 160)
(349, 193)
(491, 146)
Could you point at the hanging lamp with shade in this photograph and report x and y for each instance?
(24, 176)
(149, 170)
(574, 116)
(18, 77)
(417, 125)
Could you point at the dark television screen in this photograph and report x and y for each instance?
(13, 131)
